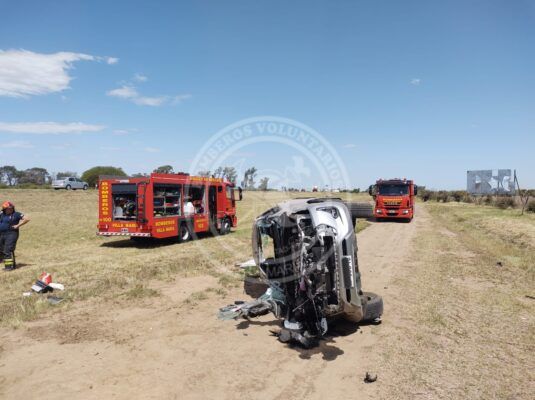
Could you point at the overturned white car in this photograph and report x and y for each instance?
(306, 252)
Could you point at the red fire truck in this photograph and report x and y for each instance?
(165, 205)
(394, 199)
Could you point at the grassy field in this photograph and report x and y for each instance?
(61, 240)
(467, 307)
(459, 302)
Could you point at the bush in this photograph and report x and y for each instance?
(91, 175)
(531, 206)
(458, 195)
(504, 202)
(467, 198)
(425, 194)
(443, 196)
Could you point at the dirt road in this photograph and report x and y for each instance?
(171, 346)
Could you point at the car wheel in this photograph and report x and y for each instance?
(373, 306)
(183, 233)
(68, 187)
(225, 226)
(85, 187)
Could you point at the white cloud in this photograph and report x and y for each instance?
(180, 98)
(48, 128)
(124, 92)
(129, 92)
(349, 146)
(152, 149)
(25, 73)
(17, 144)
(416, 81)
(140, 78)
(112, 60)
(121, 132)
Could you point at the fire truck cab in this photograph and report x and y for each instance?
(394, 199)
(165, 205)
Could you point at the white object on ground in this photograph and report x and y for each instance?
(26, 294)
(56, 285)
(246, 264)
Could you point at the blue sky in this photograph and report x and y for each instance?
(422, 89)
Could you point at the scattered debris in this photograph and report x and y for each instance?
(26, 294)
(55, 300)
(57, 286)
(246, 264)
(499, 264)
(530, 297)
(370, 378)
(44, 284)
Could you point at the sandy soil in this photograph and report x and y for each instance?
(166, 347)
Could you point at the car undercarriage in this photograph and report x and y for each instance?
(306, 254)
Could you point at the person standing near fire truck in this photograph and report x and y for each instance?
(10, 222)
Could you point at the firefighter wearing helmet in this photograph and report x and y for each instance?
(10, 222)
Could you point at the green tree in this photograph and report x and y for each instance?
(35, 175)
(263, 185)
(66, 174)
(9, 175)
(205, 173)
(91, 175)
(248, 178)
(230, 174)
(164, 169)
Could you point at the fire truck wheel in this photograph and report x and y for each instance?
(225, 226)
(183, 233)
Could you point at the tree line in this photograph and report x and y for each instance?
(36, 176)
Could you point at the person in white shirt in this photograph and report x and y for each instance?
(118, 211)
(189, 209)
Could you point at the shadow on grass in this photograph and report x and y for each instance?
(151, 243)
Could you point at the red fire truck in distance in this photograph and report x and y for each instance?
(165, 205)
(394, 199)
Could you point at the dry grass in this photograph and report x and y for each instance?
(467, 329)
(61, 240)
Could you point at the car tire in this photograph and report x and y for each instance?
(225, 226)
(360, 210)
(68, 187)
(85, 187)
(184, 233)
(372, 305)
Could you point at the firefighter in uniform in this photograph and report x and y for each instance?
(10, 222)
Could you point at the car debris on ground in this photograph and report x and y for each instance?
(44, 285)
(370, 378)
(246, 264)
(306, 253)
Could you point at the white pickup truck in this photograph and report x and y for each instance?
(69, 183)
